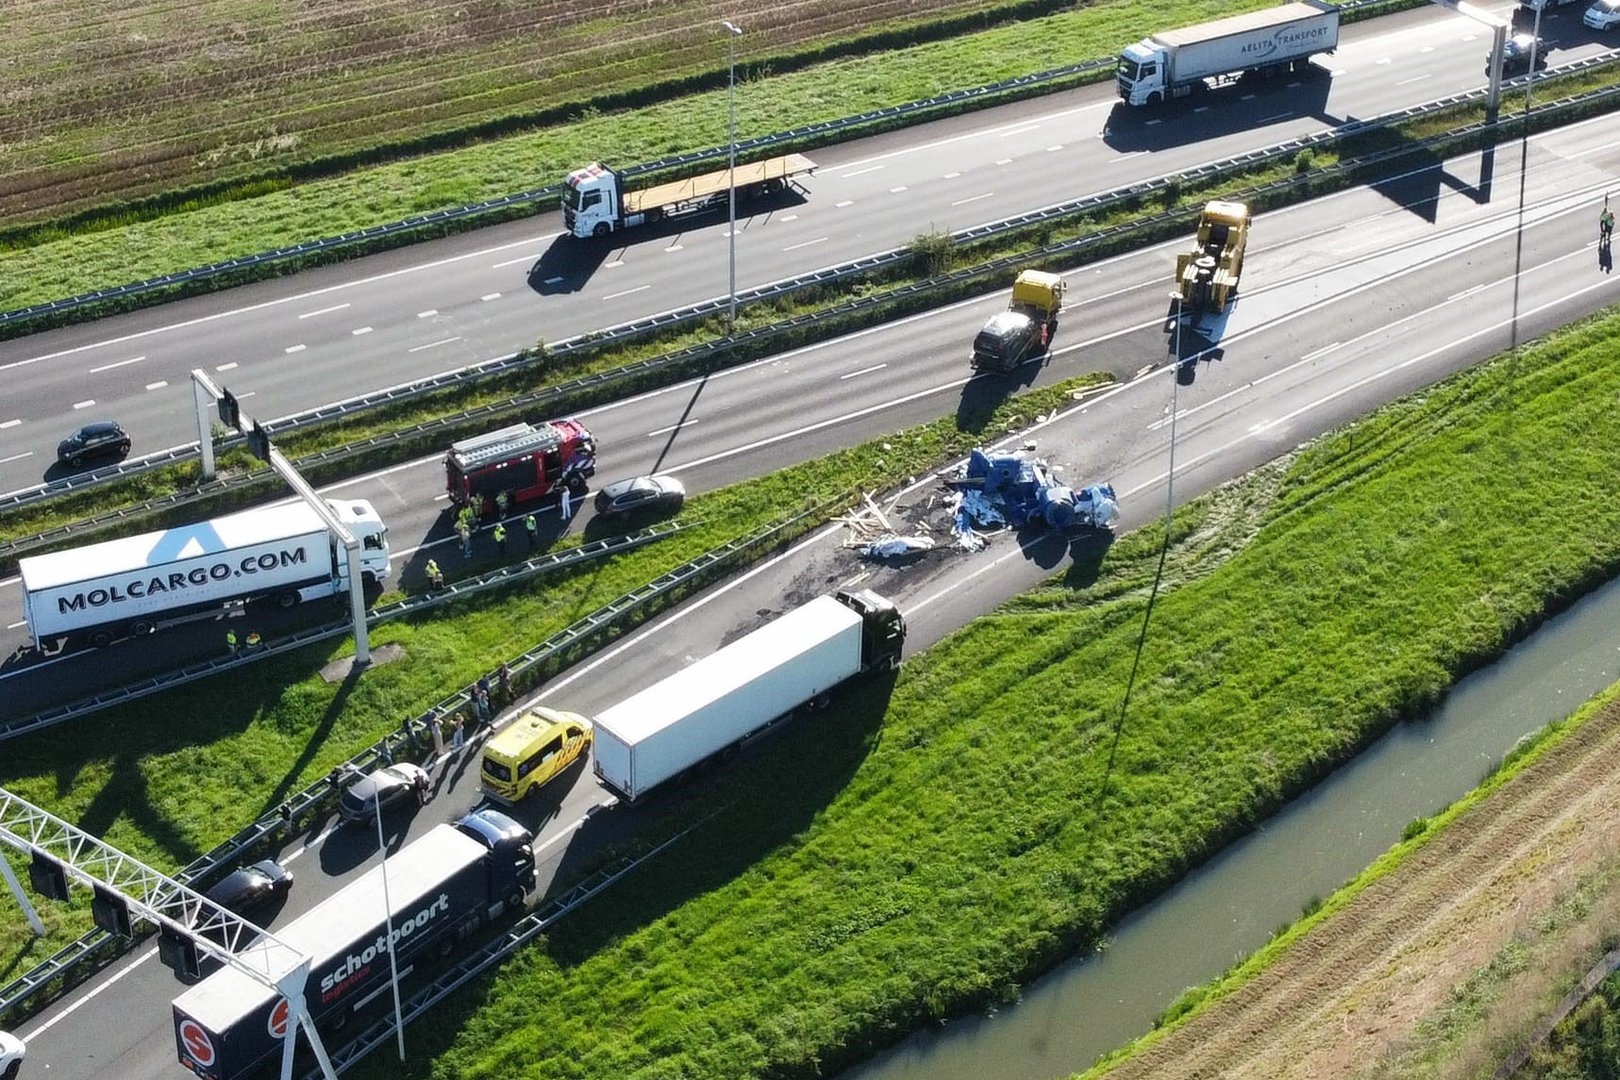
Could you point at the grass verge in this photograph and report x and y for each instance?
(166, 791)
(901, 861)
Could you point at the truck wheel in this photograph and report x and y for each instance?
(141, 627)
(601, 230)
(514, 900)
(286, 600)
(101, 638)
(577, 486)
(1155, 99)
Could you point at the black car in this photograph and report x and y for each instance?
(1517, 49)
(663, 493)
(252, 886)
(385, 786)
(1007, 340)
(103, 439)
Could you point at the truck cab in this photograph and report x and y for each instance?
(528, 462)
(362, 519)
(1140, 75)
(592, 201)
(511, 863)
(883, 628)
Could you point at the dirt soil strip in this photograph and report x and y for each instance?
(1351, 992)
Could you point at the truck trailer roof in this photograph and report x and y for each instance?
(348, 916)
(258, 526)
(1263, 19)
(720, 673)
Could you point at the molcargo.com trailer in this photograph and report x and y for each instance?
(702, 709)
(442, 887)
(1173, 63)
(133, 586)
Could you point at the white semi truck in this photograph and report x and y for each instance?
(1273, 40)
(596, 202)
(134, 586)
(660, 732)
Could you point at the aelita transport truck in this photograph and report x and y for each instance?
(1272, 40)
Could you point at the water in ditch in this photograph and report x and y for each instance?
(1229, 907)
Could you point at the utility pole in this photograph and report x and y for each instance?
(732, 32)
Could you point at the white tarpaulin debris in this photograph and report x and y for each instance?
(885, 547)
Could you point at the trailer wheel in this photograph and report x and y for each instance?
(141, 627)
(101, 638)
(601, 230)
(514, 901)
(287, 600)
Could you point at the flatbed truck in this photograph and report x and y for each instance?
(597, 201)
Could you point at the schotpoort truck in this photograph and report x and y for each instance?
(1276, 39)
(131, 587)
(441, 889)
(704, 708)
(596, 202)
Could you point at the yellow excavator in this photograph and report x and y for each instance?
(1207, 276)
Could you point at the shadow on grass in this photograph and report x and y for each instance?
(768, 793)
(316, 740)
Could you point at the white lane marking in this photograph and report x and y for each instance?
(331, 827)
(627, 292)
(863, 371)
(1414, 79)
(1466, 292)
(232, 366)
(1385, 61)
(1274, 116)
(807, 243)
(615, 262)
(324, 311)
(973, 198)
(846, 202)
(1004, 161)
(428, 314)
(1426, 49)
(859, 172)
(433, 344)
(490, 296)
(360, 330)
(289, 350)
(950, 176)
(1323, 351)
(785, 218)
(92, 995)
(85, 404)
(574, 825)
(681, 247)
(513, 262)
(121, 363)
(898, 190)
(16, 457)
(688, 422)
(1054, 148)
(246, 395)
(1016, 130)
(9, 424)
(1201, 108)
(919, 147)
(16, 625)
(160, 384)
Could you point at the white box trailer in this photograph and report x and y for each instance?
(139, 584)
(680, 721)
(1172, 64)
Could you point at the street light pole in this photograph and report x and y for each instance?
(732, 30)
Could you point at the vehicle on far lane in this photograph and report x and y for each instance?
(105, 438)
(383, 787)
(1517, 50)
(12, 1052)
(250, 887)
(639, 494)
(1602, 15)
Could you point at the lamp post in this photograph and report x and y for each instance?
(388, 920)
(732, 31)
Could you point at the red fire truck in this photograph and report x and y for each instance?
(527, 461)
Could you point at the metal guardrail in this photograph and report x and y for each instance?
(805, 133)
(97, 944)
(711, 308)
(638, 328)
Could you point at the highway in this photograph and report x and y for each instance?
(338, 331)
(1348, 302)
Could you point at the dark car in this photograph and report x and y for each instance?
(1517, 49)
(1007, 340)
(252, 886)
(103, 439)
(639, 493)
(386, 786)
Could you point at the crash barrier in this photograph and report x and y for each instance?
(297, 639)
(69, 965)
(639, 328)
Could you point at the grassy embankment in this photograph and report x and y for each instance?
(898, 861)
(167, 778)
(52, 263)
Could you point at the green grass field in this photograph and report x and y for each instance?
(888, 866)
(50, 263)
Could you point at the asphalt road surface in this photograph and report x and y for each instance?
(1347, 303)
(329, 334)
